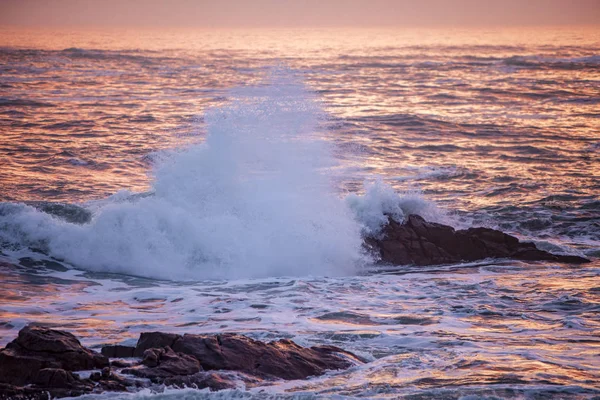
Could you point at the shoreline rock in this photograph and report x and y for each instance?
(419, 242)
(42, 362)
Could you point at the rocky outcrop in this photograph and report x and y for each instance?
(118, 351)
(37, 348)
(41, 362)
(161, 363)
(280, 359)
(419, 242)
(151, 340)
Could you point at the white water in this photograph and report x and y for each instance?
(255, 199)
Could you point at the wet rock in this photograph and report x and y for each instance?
(149, 340)
(419, 242)
(118, 351)
(10, 392)
(68, 212)
(48, 383)
(40, 361)
(160, 363)
(55, 378)
(213, 380)
(282, 359)
(109, 381)
(38, 348)
(123, 363)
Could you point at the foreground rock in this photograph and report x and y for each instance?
(43, 359)
(41, 362)
(162, 363)
(419, 242)
(38, 348)
(282, 359)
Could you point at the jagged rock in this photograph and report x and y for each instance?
(38, 364)
(419, 242)
(118, 351)
(55, 378)
(149, 340)
(160, 363)
(281, 359)
(11, 392)
(38, 348)
(213, 380)
(109, 381)
(123, 363)
(48, 383)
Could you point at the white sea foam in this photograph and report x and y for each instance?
(254, 200)
(380, 200)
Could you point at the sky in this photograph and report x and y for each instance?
(298, 13)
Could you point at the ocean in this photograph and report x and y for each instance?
(206, 181)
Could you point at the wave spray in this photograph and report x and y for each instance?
(253, 200)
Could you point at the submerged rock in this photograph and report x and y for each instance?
(419, 242)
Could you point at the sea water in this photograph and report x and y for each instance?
(222, 181)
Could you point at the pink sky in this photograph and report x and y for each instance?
(296, 13)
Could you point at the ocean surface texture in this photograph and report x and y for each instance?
(222, 181)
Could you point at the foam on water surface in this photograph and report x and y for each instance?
(488, 329)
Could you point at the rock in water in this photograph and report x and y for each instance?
(40, 360)
(38, 364)
(280, 359)
(118, 351)
(419, 242)
(152, 340)
(161, 363)
(38, 348)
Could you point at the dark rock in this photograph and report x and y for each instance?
(38, 364)
(123, 363)
(213, 380)
(95, 376)
(11, 392)
(109, 381)
(49, 383)
(149, 340)
(55, 378)
(163, 363)
(282, 359)
(38, 348)
(118, 351)
(419, 242)
(68, 212)
(113, 386)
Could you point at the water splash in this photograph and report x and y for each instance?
(253, 200)
(256, 199)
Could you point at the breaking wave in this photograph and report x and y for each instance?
(256, 199)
